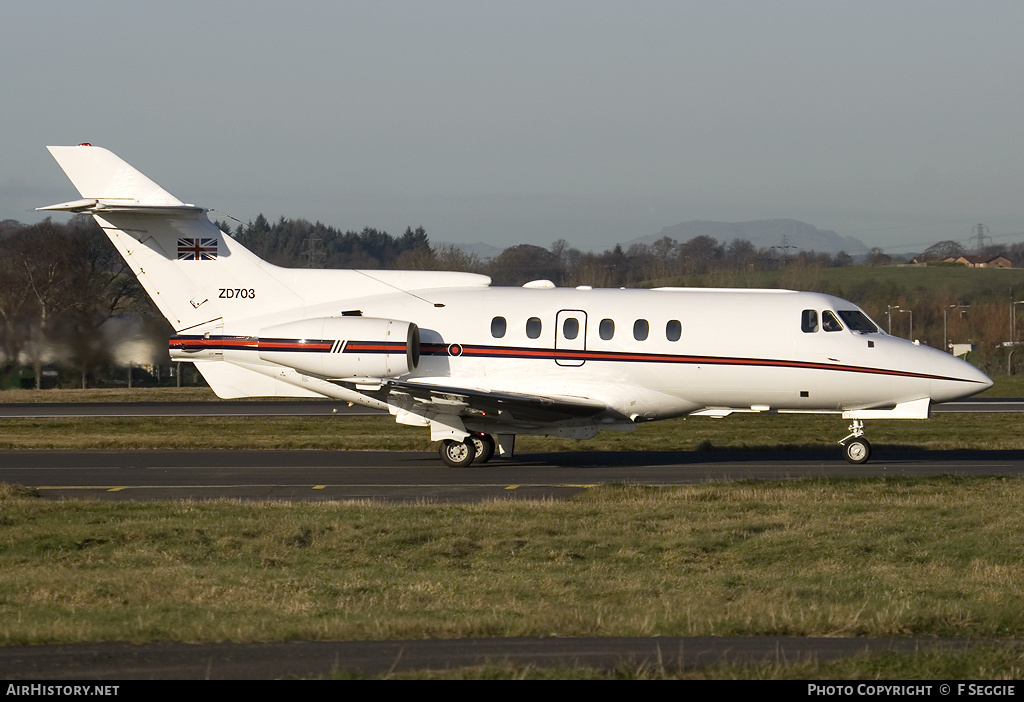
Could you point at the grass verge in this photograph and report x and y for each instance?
(995, 431)
(887, 557)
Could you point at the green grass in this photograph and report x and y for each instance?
(997, 431)
(897, 557)
(194, 394)
(1005, 386)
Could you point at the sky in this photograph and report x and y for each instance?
(523, 121)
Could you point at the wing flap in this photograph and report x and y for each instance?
(453, 399)
(430, 398)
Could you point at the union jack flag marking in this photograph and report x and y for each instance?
(204, 249)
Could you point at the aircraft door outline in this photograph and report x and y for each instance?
(570, 335)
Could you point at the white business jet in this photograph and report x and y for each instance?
(478, 365)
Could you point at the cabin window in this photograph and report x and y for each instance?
(829, 322)
(606, 329)
(857, 321)
(498, 326)
(533, 327)
(571, 328)
(809, 321)
(641, 329)
(673, 330)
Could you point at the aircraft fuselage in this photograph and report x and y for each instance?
(649, 354)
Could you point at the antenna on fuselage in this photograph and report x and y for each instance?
(411, 294)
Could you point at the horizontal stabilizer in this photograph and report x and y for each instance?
(73, 206)
(90, 206)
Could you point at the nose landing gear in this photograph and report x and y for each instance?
(856, 447)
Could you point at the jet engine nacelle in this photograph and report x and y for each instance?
(343, 347)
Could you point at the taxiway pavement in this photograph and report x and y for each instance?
(398, 476)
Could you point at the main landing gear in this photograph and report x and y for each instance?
(459, 454)
(857, 448)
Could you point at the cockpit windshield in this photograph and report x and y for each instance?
(857, 321)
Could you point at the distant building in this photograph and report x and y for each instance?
(982, 261)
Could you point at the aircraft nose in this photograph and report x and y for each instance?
(955, 379)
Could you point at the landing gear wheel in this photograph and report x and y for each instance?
(484, 445)
(457, 454)
(858, 450)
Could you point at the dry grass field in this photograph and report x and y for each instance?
(936, 557)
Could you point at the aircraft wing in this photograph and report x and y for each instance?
(430, 397)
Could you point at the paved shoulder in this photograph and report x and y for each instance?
(264, 661)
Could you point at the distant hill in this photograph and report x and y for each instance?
(763, 233)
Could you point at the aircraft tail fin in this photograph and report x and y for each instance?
(101, 175)
(198, 276)
(195, 273)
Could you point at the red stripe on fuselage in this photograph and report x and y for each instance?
(518, 352)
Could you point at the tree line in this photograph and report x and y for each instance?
(59, 283)
(300, 243)
(62, 284)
